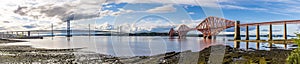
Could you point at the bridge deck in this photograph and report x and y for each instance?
(273, 23)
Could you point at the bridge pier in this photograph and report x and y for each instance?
(285, 32)
(17, 33)
(28, 33)
(7, 34)
(22, 33)
(257, 33)
(247, 32)
(270, 33)
(237, 35)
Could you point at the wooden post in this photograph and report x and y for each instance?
(285, 45)
(270, 45)
(257, 33)
(247, 32)
(236, 44)
(285, 32)
(270, 33)
(247, 45)
(257, 45)
(237, 35)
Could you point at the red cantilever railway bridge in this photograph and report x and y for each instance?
(211, 26)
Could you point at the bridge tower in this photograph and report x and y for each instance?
(68, 25)
(68, 29)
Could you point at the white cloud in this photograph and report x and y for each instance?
(242, 8)
(111, 13)
(205, 3)
(191, 12)
(162, 9)
(78, 8)
(279, 7)
(42, 13)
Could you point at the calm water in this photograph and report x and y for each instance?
(136, 45)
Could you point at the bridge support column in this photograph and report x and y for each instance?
(7, 34)
(247, 32)
(257, 33)
(237, 35)
(28, 33)
(270, 33)
(17, 33)
(22, 33)
(285, 32)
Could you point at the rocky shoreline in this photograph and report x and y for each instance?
(9, 41)
(231, 56)
(217, 53)
(27, 54)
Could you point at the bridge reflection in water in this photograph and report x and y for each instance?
(268, 45)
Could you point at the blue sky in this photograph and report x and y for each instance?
(245, 11)
(39, 14)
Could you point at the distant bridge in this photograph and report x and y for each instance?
(212, 26)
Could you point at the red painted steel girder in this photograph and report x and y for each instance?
(214, 25)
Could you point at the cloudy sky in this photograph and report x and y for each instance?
(141, 15)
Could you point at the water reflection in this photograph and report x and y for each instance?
(236, 44)
(257, 45)
(136, 45)
(247, 45)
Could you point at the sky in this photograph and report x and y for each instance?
(142, 15)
